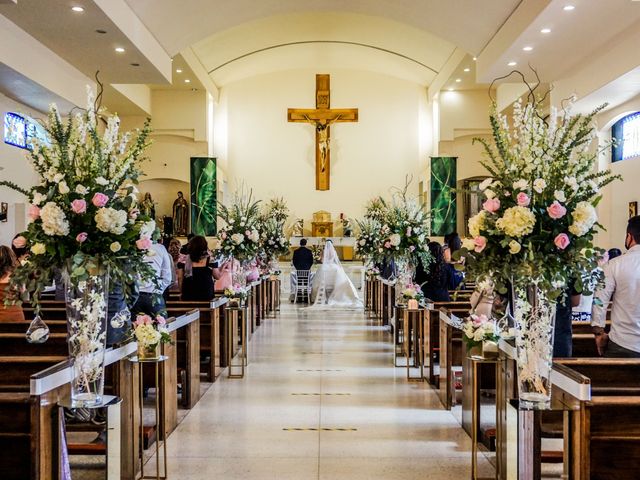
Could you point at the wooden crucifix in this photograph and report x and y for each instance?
(322, 117)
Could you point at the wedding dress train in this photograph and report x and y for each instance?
(332, 288)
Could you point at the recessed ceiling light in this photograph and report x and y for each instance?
(512, 64)
(467, 69)
(475, 58)
(545, 30)
(458, 80)
(119, 49)
(527, 48)
(568, 8)
(178, 70)
(101, 31)
(77, 9)
(134, 64)
(187, 80)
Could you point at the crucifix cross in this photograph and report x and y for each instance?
(322, 117)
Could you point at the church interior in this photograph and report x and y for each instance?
(428, 144)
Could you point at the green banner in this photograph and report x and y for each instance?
(443, 195)
(203, 196)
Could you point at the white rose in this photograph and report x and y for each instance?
(571, 182)
(514, 247)
(38, 249)
(584, 217)
(539, 185)
(395, 240)
(520, 184)
(110, 220)
(102, 181)
(489, 193)
(237, 238)
(254, 236)
(362, 242)
(115, 247)
(486, 183)
(54, 221)
(560, 196)
(63, 188)
(38, 198)
(81, 189)
(57, 178)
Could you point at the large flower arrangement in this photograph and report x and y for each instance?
(375, 209)
(273, 242)
(277, 209)
(240, 237)
(404, 232)
(84, 212)
(539, 217)
(369, 240)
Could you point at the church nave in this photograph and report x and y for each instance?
(319, 370)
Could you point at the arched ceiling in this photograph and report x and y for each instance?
(324, 41)
(468, 24)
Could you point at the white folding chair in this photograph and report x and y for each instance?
(302, 285)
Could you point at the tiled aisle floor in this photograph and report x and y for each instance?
(237, 430)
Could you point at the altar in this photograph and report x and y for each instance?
(343, 245)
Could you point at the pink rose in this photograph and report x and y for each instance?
(81, 237)
(408, 231)
(79, 206)
(143, 243)
(479, 242)
(143, 320)
(223, 235)
(562, 241)
(247, 233)
(100, 200)
(34, 212)
(556, 210)
(387, 244)
(161, 320)
(19, 242)
(523, 199)
(492, 205)
(411, 248)
(133, 213)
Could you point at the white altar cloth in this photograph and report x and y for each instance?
(337, 241)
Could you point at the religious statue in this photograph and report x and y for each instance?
(180, 215)
(298, 228)
(148, 206)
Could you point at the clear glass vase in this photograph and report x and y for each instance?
(86, 303)
(404, 278)
(535, 317)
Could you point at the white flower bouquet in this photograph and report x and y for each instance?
(240, 237)
(404, 232)
(478, 329)
(539, 218)
(84, 212)
(369, 240)
(273, 242)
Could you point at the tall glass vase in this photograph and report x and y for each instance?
(535, 317)
(86, 303)
(406, 274)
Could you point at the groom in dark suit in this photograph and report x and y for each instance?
(302, 260)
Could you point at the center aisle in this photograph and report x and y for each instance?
(320, 401)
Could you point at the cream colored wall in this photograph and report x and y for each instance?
(276, 158)
(17, 168)
(613, 209)
(463, 112)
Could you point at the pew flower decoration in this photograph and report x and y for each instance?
(478, 329)
(273, 242)
(539, 215)
(150, 332)
(84, 215)
(372, 273)
(413, 292)
(237, 294)
(240, 236)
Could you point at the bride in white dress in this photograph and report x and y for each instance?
(332, 287)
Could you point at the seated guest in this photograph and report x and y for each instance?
(452, 243)
(435, 282)
(198, 282)
(150, 299)
(8, 313)
(174, 247)
(20, 248)
(622, 283)
(613, 253)
(302, 260)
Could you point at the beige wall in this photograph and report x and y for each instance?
(463, 112)
(17, 168)
(276, 158)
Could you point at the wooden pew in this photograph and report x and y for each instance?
(451, 355)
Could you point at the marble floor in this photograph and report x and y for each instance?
(321, 400)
